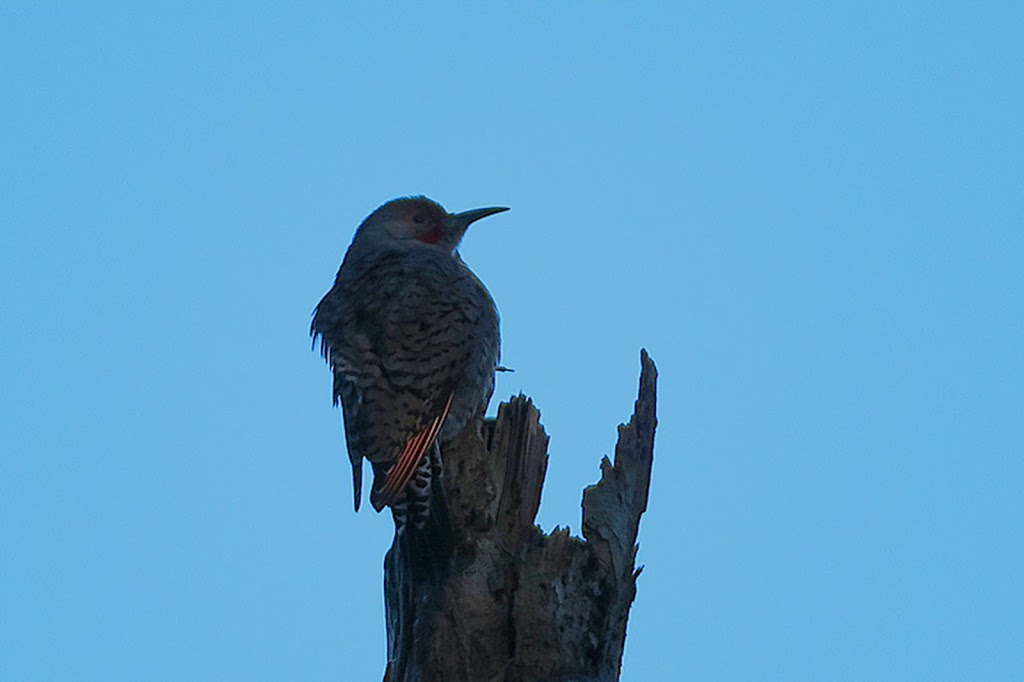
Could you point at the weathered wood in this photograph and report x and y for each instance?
(513, 604)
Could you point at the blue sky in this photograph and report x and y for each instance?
(811, 216)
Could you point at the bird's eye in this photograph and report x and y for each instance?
(419, 220)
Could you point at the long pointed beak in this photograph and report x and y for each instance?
(458, 222)
(467, 217)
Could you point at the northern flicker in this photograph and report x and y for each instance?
(411, 335)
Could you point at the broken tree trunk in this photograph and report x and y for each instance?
(513, 604)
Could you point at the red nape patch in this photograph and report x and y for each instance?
(431, 236)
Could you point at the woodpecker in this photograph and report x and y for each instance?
(411, 336)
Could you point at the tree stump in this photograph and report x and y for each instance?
(514, 604)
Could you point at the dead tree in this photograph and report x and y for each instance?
(514, 604)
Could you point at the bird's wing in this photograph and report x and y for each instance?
(347, 393)
(405, 465)
(423, 351)
(333, 326)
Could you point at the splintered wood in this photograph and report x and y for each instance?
(518, 605)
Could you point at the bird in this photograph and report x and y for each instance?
(412, 338)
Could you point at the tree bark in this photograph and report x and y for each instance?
(513, 604)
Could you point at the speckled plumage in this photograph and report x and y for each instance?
(405, 327)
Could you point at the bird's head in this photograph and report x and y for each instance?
(418, 222)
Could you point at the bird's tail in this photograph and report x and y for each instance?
(423, 525)
(419, 560)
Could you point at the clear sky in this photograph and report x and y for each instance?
(811, 216)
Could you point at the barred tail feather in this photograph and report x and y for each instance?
(357, 481)
(422, 521)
